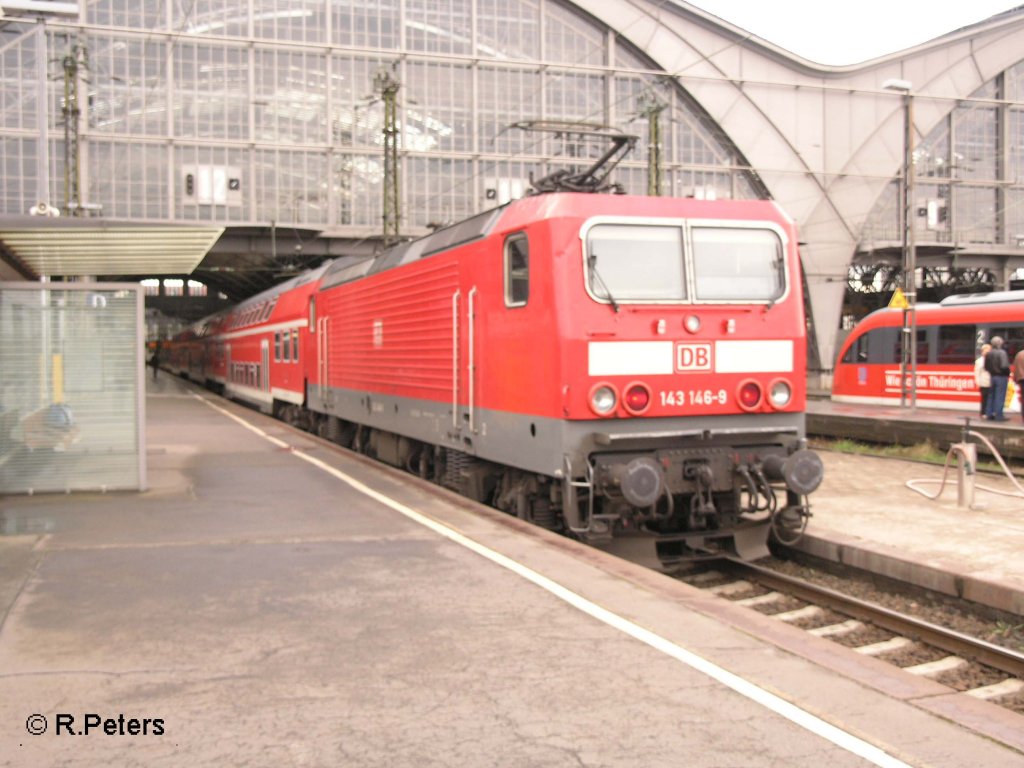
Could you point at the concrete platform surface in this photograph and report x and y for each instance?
(276, 602)
(866, 514)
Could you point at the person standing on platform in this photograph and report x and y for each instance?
(983, 378)
(1018, 376)
(155, 360)
(997, 363)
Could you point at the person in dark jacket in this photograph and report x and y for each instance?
(997, 363)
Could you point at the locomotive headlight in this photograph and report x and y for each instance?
(603, 399)
(780, 393)
(691, 323)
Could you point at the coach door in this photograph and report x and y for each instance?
(265, 365)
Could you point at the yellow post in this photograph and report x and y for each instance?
(58, 378)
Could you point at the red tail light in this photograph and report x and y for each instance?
(637, 398)
(749, 395)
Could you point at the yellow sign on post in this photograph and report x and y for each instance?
(898, 300)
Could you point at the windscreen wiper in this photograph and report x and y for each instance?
(592, 265)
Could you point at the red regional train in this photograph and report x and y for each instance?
(949, 339)
(624, 369)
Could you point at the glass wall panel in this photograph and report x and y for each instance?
(974, 214)
(1015, 216)
(506, 96)
(300, 21)
(932, 153)
(358, 178)
(357, 115)
(440, 191)
(291, 186)
(438, 113)
(958, 166)
(20, 183)
(366, 23)
(570, 38)
(212, 92)
(570, 96)
(130, 179)
(629, 95)
(291, 97)
(211, 17)
(71, 411)
(1014, 82)
(508, 29)
(1015, 171)
(974, 143)
(140, 14)
(18, 91)
(236, 87)
(127, 86)
(438, 26)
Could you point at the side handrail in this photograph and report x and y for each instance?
(471, 368)
(570, 498)
(455, 359)
(323, 362)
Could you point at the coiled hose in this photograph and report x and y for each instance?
(955, 450)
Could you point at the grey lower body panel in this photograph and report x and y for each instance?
(542, 445)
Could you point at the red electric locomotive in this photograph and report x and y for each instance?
(620, 368)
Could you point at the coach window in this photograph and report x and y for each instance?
(295, 345)
(277, 346)
(633, 262)
(956, 345)
(517, 271)
(879, 345)
(312, 314)
(857, 352)
(286, 347)
(1013, 338)
(738, 264)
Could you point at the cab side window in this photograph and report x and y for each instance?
(517, 270)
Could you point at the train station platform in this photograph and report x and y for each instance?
(273, 600)
(911, 426)
(866, 514)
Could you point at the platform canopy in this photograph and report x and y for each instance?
(74, 247)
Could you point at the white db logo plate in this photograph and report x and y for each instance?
(693, 357)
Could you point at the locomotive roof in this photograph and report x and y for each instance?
(536, 208)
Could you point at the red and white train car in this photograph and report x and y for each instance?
(612, 366)
(949, 339)
(253, 352)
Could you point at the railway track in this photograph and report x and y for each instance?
(967, 664)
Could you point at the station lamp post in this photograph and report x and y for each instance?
(908, 217)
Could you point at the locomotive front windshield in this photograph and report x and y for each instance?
(627, 262)
(648, 263)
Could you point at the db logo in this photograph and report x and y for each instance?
(693, 357)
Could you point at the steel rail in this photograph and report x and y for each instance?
(975, 649)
